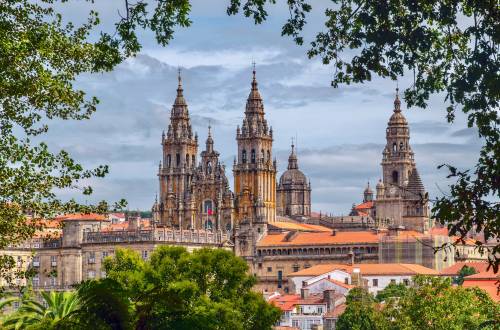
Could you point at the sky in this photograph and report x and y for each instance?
(340, 132)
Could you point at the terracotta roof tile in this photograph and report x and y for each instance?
(335, 313)
(368, 269)
(300, 227)
(321, 238)
(286, 302)
(455, 269)
(82, 216)
(490, 285)
(364, 206)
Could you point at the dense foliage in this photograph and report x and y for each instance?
(174, 289)
(449, 48)
(429, 303)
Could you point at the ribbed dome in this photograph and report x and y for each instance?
(293, 176)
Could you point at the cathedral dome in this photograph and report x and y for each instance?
(293, 175)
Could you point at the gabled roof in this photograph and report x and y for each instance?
(456, 268)
(368, 269)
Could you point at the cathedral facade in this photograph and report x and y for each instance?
(192, 195)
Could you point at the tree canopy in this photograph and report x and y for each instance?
(173, 289)
(428, 303)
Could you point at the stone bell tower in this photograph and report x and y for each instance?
(401, 197)
(254, 172)
(176, 171)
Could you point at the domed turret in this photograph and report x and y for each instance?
(368, 193)
(294, 190)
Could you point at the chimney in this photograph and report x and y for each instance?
(329, 298)
(290, 236)
(351, 257)
(334, 232)
(304, 293)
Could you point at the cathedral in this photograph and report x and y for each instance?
(195, 193)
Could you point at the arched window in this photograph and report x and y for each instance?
(244, 156)
(187, 160)
(169, 161)
(193, 161)
(177, 159)
(253, 156)
(263, 154)
(209, 168)
(207, 207)
(401, 146)
(268, 155)
(395, 177)
(394, 147)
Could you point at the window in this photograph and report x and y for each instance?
(394, 147)
(209, 168)
(187, 160)
(393, 281)
(263, 155)
(253, 156)
(36, 261)
(269, 269)
(91, 258)
(36, 280)
(320, 310)
(177, 159)
(53, 261)
(268, 155)
(169, 161)
(104, 254)
(280, 279)
(19, 261)
(406, 281)
(207, 207)
(395, 177)
(91, 274)
(144, 254)
(259, 265)
(193, 161)
(375, 282)
(346, 280)
(244, 156)
(53, 281)
(295, 268)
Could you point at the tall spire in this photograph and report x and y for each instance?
(210, 141)
(397, 102)
(179, 100)
(292, 159)
(254, 101)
